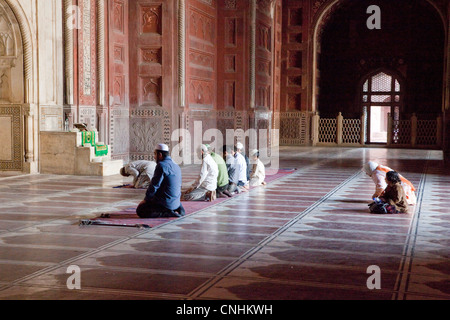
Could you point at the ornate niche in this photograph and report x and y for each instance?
(11, 59)
(11, 92)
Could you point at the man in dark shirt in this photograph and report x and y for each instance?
(162, 199)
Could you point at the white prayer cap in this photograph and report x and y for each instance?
(370, 167)
(205, 148)
(162, 147)
(254, 152)
(240, 146)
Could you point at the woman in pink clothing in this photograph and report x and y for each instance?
(378, 174)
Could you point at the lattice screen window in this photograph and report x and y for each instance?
(381, 94)
(351, 131)
(381, 83)
(402, 132)
(327, 130)
(426, 132)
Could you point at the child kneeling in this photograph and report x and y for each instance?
(393, 200)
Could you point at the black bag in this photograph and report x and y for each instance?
(378, 207)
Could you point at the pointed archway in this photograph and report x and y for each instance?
(12, 91)
(355, 25)
(346, 50)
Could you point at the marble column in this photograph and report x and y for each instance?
(71, 17)
(102, 110)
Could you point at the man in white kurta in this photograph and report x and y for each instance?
(258, 173)
(378, 174)
(241, 168)
(142, 172)
(206, 184)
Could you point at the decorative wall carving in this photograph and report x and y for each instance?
(230, 94)
(87, 54)
(201, 60)
(118, 16)
(86, 44)
(264, 36)
(145, 135)
(151, 91)
(12, 97)
(231, 31)
(88, 115)
(317, 4)
(151, 55)
(294, 101)
(118, 86)
(295, 59)
(11, 78)
(119, 53)
(294, 128)
(118, 70)
(11, 150)
(201, 93)
(151, 19)
(230, 63)
(295, 17)
(201, 26)
(148, 127)
(120, 143)
(264, 7)
(294, 81)
(230, 4)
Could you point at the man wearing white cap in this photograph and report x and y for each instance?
(205, 186)
(142, 172)
(241, 168)
(240, 149)
(162, 199)
(258, 174)
(378, 174)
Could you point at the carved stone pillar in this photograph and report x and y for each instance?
(68, 46)
(69, 25)
(102, 112)
(101, 51)
(28, 112)
(253, 55)
(102, 116)
(182, 51)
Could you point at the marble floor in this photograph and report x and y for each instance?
(306, 236)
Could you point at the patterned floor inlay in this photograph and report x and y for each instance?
(308, 235)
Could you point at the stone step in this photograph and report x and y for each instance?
(63, 154)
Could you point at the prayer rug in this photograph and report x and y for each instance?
(90, 138)
(101, 150)
(128, 217)
(128, 186)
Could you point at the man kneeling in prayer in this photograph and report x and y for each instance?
(258, 174)
(378, 174)
(142, 172)
(205, 186)
(163, 196)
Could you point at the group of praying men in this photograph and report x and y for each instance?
(220, 176)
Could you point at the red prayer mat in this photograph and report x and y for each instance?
(129, 218)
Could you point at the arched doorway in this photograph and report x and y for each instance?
(345, 51)
(381, 96)
(12, 92)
